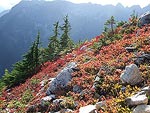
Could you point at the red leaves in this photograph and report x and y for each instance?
(114, 55)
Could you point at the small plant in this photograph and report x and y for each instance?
(27, 96)
(68, 102)
(15, 104)
(34, 81)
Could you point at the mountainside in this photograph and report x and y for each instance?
(102, 75)
(4, 12)
(19, 27)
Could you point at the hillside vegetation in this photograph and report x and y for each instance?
(100, 62)
(20, 25)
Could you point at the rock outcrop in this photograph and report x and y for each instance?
(62, 79)
(138, 99)
(144, 58)
(88, 109)
(131, 75)
(144, 19)
(142, 109)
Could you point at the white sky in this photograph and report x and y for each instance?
(7, 4)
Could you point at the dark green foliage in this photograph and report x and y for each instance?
(27, 96)
(58, 45)
(53, 46)
(121, 23)
(111, 22)
(35, 56)
(65, 40)
(25, 68)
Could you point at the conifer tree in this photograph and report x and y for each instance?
(24, 68)
(53, 46)
(65, 40)
(111, 22)
(36, 50)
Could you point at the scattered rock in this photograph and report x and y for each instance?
(45, 102)
(57, 101)
(142, 109)
(144, 58)
(97, 81)
(77, 89)
(123, 89)
(83, 48)
(66, 111)
(48, 98)
(131, 49)
(100, 105)
(88, 109)
(131, 75)
(144, 19)
(147, 90)
(42, 83)
(137, 99)
(62, 79)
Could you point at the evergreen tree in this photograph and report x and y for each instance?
(65, 40)
(53, 46)
(24, 68)
(111, 22)
(36, 50)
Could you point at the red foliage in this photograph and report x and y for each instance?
(114, 55)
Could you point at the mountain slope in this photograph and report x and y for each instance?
(19, 27)
(4, 12)
(106, 62)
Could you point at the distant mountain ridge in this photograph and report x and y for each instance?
(4, 12)
(1, 9)
(19, 27)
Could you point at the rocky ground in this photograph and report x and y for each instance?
(114, 78)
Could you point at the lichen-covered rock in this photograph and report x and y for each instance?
(62, 79)
(131, 75)
(88, 109)
(138, 99)
(142, 109)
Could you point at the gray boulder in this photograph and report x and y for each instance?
(131, 75)
(138, 99)
(48, 98)
(62, 79)
(142, 109)
(88, 109)
(146, 90)
(144, 19)
(144, 58)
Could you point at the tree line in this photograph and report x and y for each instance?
(59, 44)
(36, 55)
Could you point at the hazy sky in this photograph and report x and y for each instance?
(7, 4)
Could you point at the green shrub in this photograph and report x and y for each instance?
(27, 96)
